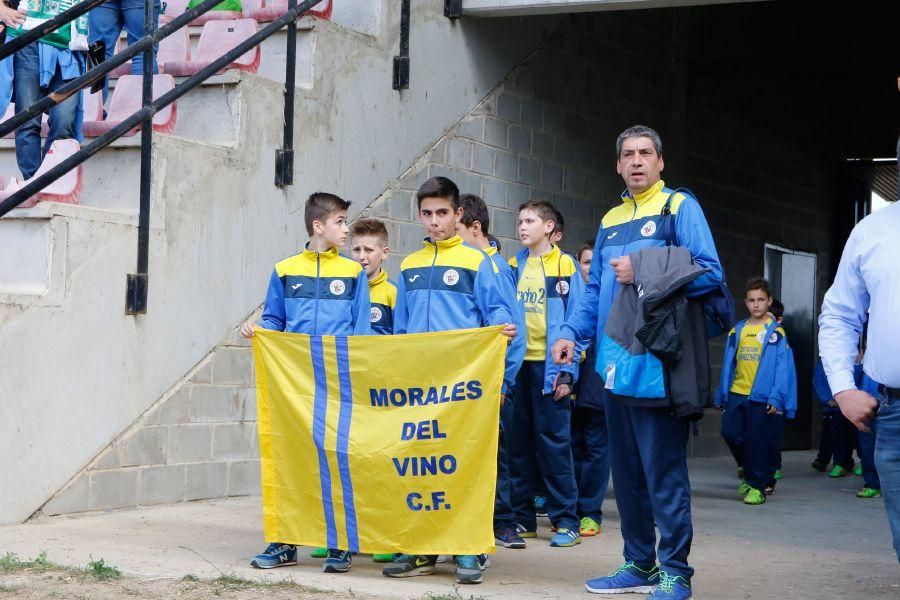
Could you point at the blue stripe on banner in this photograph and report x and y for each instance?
(343, 441)
(321, 403)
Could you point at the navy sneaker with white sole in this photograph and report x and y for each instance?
(275, 555)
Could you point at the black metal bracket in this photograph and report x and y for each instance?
(136, 286)
(401, 61)
(453, 9)
(284, 167)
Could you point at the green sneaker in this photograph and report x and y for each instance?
(589, 527)
(858, 470)
(384, 558)
(868, 492)
(319, 553)
(778, 475)
(838, 471)
(754, 497)
(744, 488)
(740, 472)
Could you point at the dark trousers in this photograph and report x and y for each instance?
(503, 512)
(540, 435)
(648, 457)
(775, 430)
(837, 440)
(866, 452)
(590, 449)
(744, 427)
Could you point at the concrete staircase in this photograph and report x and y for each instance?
(104, 410)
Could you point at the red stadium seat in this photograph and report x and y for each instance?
(217, 38)
(65, 189)
(126, 99)
(175, 48)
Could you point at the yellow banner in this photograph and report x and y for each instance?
(380, 444)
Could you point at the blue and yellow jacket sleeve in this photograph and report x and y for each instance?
(273, 315)
(576, 292)
(784, 376)
(727, 374)
(693, 233)
(581, 315)
(820, 384)
(361, 308)
(489, 296)
(515, 351)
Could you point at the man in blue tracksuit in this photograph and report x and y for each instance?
(648, 446)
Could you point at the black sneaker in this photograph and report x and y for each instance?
(410, 565)
(508, 537)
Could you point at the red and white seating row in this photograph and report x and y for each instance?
(263, 11)
(127, 98)
(91, 104)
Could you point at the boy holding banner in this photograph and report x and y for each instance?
(316, 292)
(444, 286)
(549, 285)
(474, 228)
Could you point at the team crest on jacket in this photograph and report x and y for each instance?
(648, 229)
(375, 314)
(451, 277)
(773, 338)
(562, 287)
(337, 287)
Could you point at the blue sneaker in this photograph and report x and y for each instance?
(629, 578)
(338, 561)
(671, 588)
(565, 538)
(484, 561)
(468, 569)
(508, 537)
(275, 555)
(540, 506)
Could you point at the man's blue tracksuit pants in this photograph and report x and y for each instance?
(648, 456)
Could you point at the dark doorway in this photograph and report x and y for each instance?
(792, 275)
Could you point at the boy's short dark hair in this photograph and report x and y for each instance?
(758, 283)
(542, 209)
(320, 206)
(559, 224)
(372, 227)
(588, 245)
(474, 209)
(777, 308)
(439, 187)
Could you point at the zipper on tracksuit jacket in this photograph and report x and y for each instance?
(430, 281)
(316, 313)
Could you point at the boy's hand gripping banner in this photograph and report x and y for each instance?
(380, 444)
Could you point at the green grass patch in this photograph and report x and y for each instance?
(454, 595)
(95, 569)
(102, 571)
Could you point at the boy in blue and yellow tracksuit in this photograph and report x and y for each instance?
(474, 229)
(447, 285)
(758, 380)
(647, 445)
(370, 248)
(317, 292)
(549, 285)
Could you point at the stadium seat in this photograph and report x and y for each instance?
(126, 99)
(272, 9)
(217, 38)
(175, 48)
(175, 8)
(65, 189)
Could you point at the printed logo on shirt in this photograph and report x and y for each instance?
(773, 338)
(648, 229)
(612, 235)
(375, 313)
(414, 277)
(451, 277)
(337, 287)
(761, 336)
(296, 286)
(562, 288)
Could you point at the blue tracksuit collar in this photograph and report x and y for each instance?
(644, 196)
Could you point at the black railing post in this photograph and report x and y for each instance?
(137, 283)
(284, 158)
(401, 61)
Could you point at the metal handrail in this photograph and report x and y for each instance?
(136, 301)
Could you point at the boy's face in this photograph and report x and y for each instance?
(758, 303)
(333, 230)
(584, 263)
(533, 230)
(370, 252)
(438, 218)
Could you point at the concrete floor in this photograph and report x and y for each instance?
(814, 539)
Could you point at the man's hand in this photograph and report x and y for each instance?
(509, 330)
(248, 329)
(771, 410)
(10, 16)
(622, 268)
(562, 391)
(562, 351)
(858, 406)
